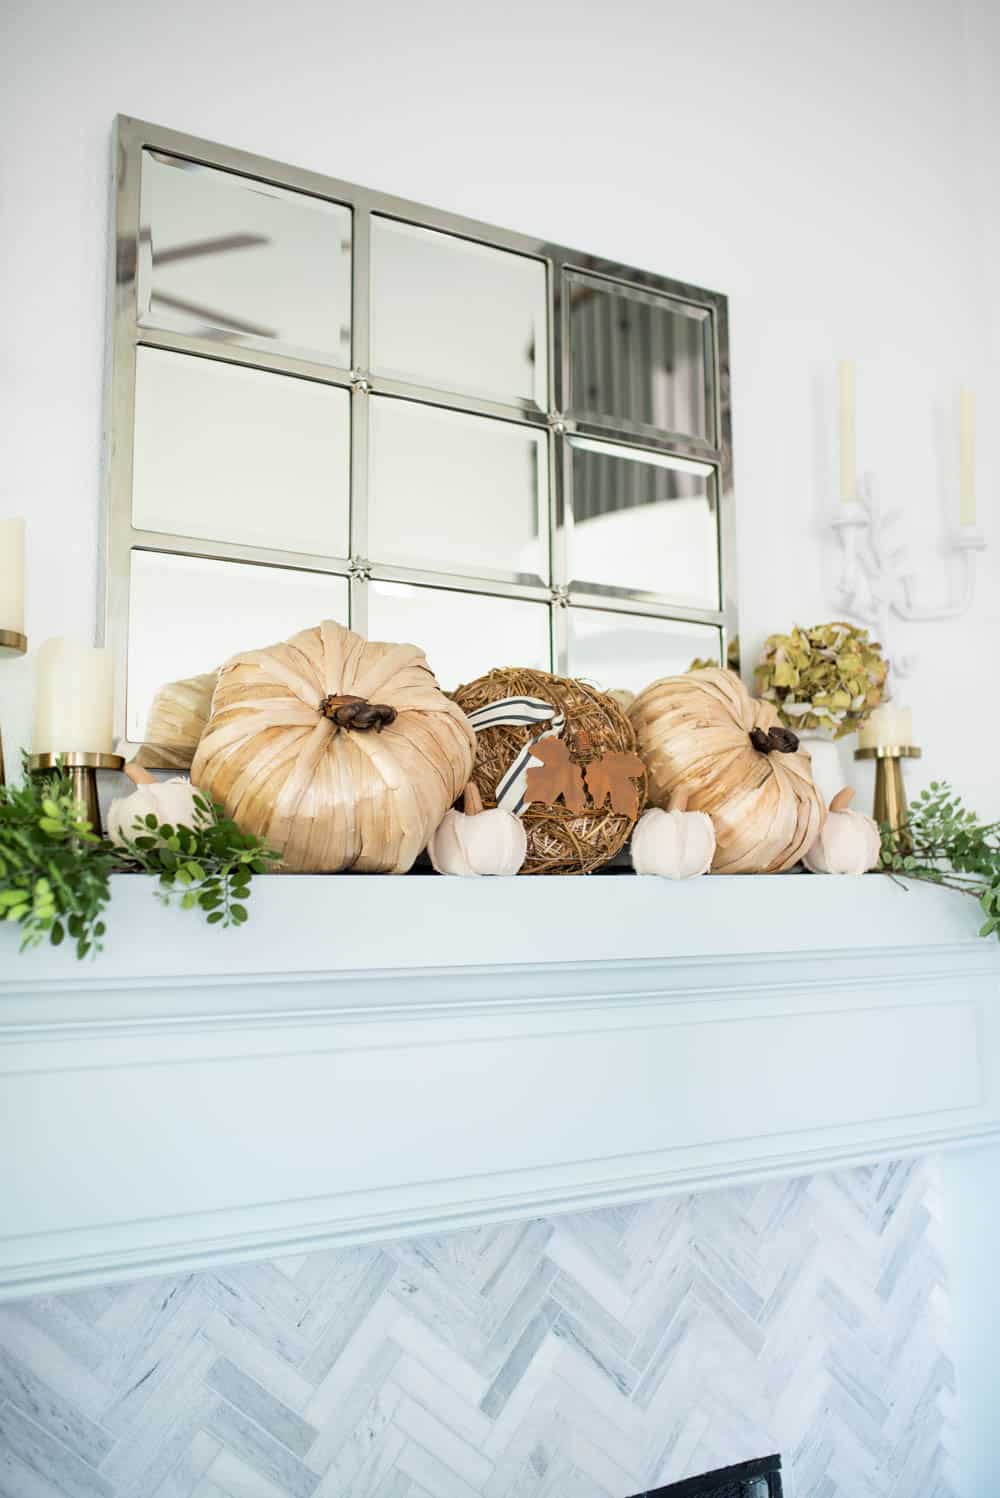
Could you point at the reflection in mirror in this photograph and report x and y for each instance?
(631, 650)
(238, 454)
(638, 358)
(452, 314)
(228, 257)
(452, 492)
(645, 522)
(463, 635)
(188, 615)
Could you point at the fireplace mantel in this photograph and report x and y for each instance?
(375, 1057)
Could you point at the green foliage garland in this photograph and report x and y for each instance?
(55, 870)
(945, 843)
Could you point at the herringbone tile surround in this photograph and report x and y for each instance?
(572, 1357)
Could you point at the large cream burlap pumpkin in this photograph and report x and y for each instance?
(704, 731)
(340, 752)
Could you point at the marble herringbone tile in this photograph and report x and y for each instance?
(581, 1357)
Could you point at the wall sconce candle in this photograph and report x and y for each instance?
(848, 434)
(967, 458)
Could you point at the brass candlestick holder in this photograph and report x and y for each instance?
(890, 792)
(12, 642)
(82, 769)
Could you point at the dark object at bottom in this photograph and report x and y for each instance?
(757, 1479)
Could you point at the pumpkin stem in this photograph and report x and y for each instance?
(679, 799)
(842, 799)
(355, 712)
(472, 801)
(138, 774)
(781, 739)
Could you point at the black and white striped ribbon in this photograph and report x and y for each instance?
(513, 710)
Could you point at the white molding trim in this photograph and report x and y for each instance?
(196, 1097)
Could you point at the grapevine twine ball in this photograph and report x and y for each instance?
(561, 839)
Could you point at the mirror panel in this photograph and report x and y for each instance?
(630, 650)
(639, 359)
(644, 522)
(228, 257)
(463, 635)
(189, 614)
(241, 455)
(451, 492)
(452, 314)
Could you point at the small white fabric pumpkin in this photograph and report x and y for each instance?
(170, 801)
(676, 844)
(476, 842)
(848, 842)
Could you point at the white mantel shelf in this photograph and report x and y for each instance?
(374, 1058)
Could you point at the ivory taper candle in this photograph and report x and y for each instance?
(848, 437)
(12, 574)
(73, 699)
(967, 458)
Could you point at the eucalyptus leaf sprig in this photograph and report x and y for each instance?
(54, 870)
(945, 843)
(208, 866)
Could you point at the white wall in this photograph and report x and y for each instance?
(832, 168)
(812, 161)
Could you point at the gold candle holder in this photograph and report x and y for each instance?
(890, 792)
(82, 769)
(12, 642)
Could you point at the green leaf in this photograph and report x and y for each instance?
(56, 934)
(239, 913)
(215, 917)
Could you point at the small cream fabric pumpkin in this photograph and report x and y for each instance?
(676, 844)
(170, 801)
(848, 841)
(476, 842)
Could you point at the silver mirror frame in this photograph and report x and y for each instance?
(121, 537)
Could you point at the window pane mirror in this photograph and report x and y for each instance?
(631, 650)
(237, 454)
(638, 358)
(644, 522)
(457, 493)
(454, 629)
(330, 402)
(457, 315)
(240, 260)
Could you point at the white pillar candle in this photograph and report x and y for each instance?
(73, 699)
(12, 574)
(967, 458)
(889, 727)
(848, 439)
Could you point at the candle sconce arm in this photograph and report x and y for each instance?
(966, 542)
(877, 585)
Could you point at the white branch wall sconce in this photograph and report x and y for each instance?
(879, 584)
